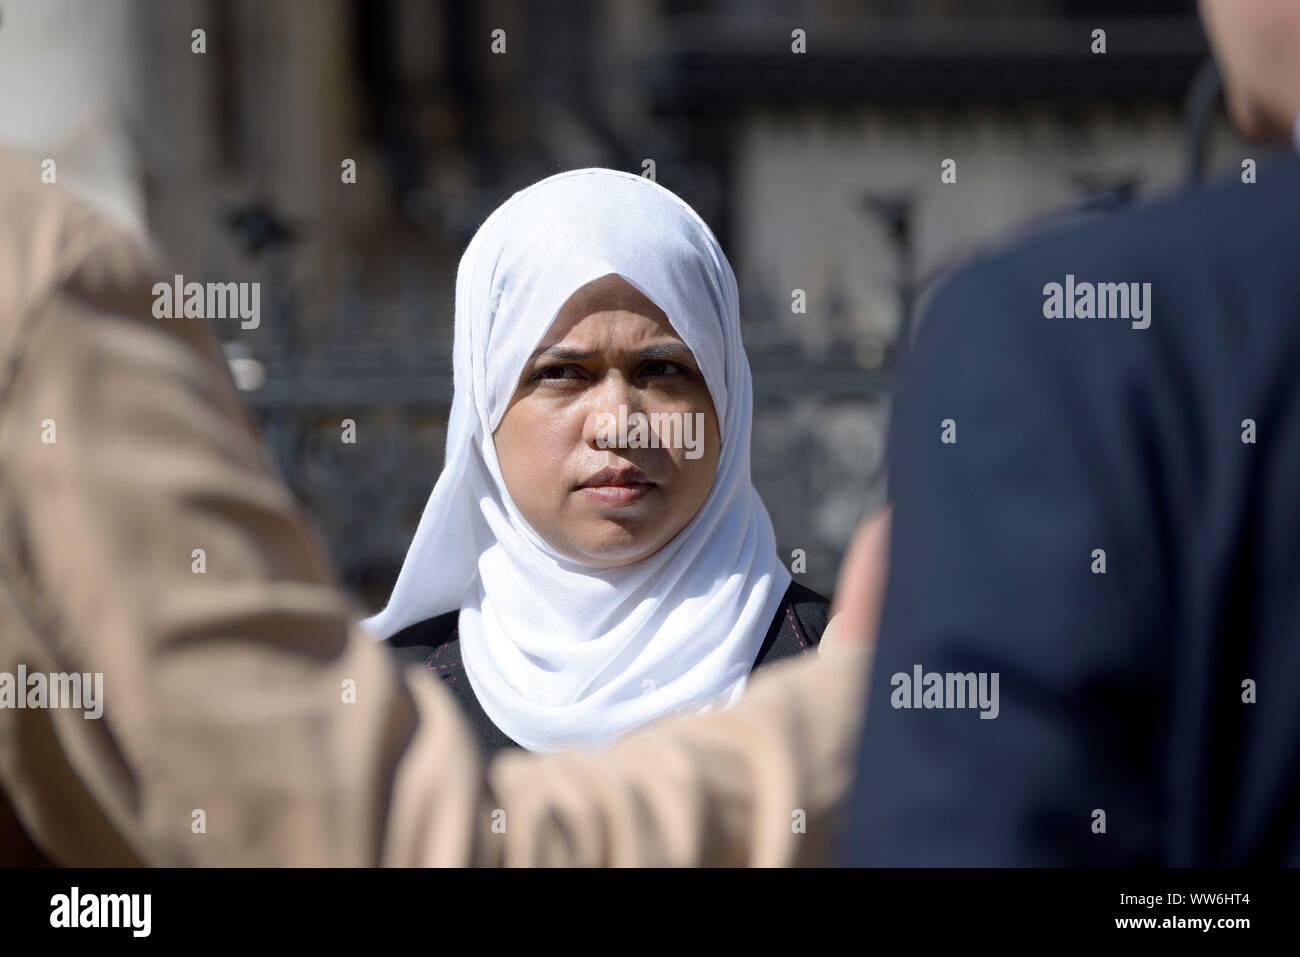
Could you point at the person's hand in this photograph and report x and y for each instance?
(860, 591)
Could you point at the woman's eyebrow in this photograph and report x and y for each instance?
(561, 352)
(667, 351)
(674, 351)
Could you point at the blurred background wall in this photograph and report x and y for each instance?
(819, 171)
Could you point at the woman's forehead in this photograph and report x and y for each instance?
(611, 292)
(609, 309)
(611, 328)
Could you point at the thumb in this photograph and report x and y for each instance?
(860, 590)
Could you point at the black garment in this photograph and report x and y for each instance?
(1119, 692)
(796, 629)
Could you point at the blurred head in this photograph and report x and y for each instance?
(609, 346)
(1256, 44)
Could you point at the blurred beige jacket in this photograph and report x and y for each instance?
(224, 691)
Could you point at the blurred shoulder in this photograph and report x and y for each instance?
(1228, 221)
(53, 242)
(1163, 289)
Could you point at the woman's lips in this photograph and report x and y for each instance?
(623, 494)
(617, 486)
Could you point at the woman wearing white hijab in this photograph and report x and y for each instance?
(573, 576)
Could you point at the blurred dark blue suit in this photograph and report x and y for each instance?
(1119, 691)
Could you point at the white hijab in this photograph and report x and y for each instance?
(561, 654)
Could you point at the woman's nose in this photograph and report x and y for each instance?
(613, 401)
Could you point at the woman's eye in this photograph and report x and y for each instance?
(555, 372)
(663, 368)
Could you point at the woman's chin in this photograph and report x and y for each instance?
(616, 545)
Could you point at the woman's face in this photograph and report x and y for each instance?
(609, 347)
